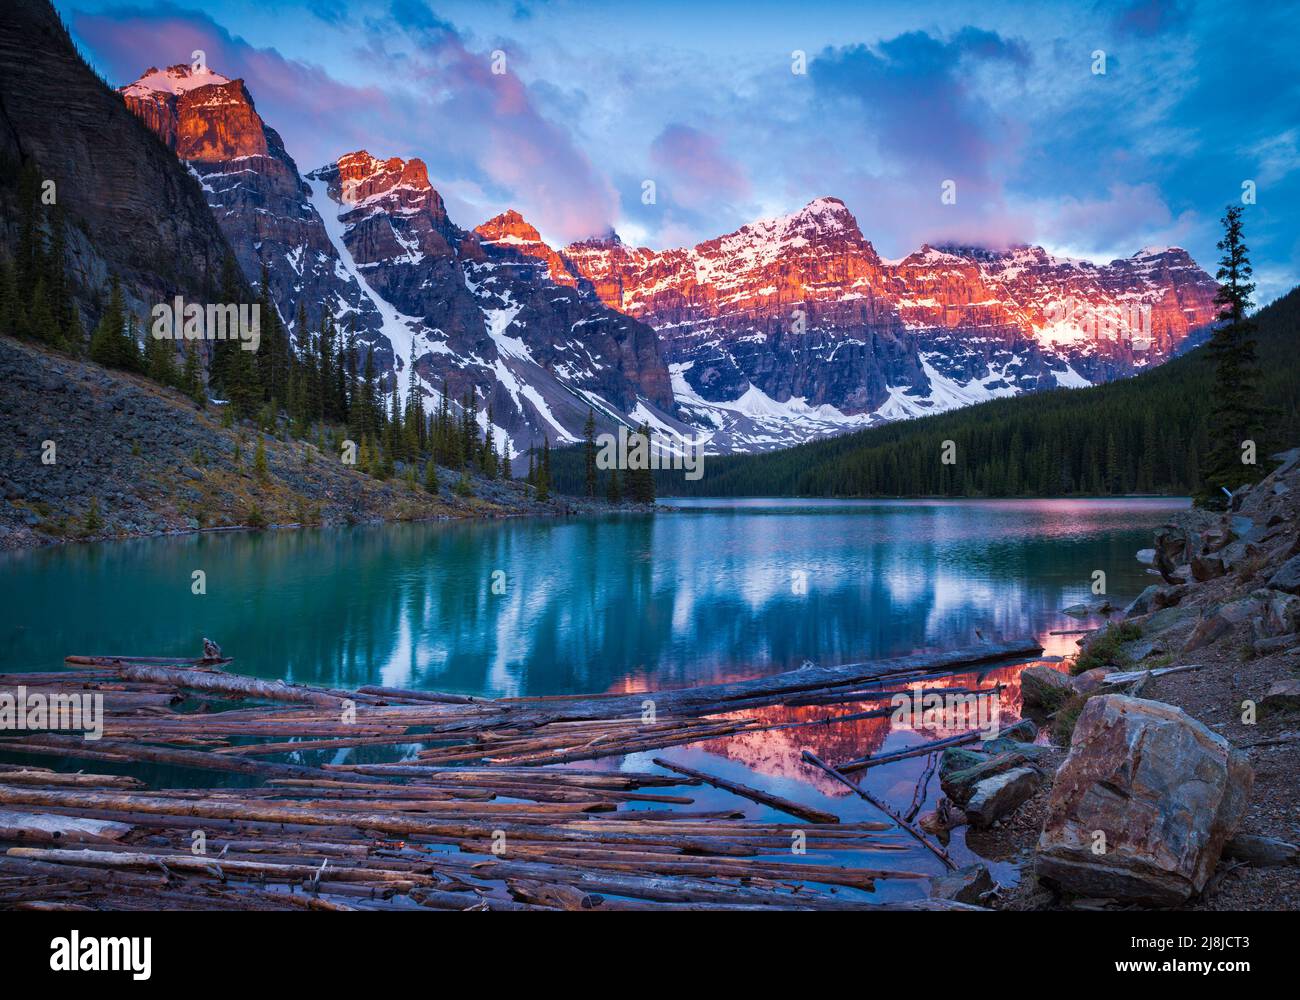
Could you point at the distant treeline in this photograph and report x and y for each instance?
(1145, 434)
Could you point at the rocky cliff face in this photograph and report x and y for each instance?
(495, 311)
(794, 327)
(258, 196)
(131, 210)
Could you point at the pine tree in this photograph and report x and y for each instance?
(260, 468)
(108, 345)
(65, 310)
(431, 476)
(613, 492)
(640, 483)
(41, 322)
(94, 521)
(159, 359)
(413, 427)
(272, 362)
(192, 376)
(1236, 412)
(544, 471)
(348, 370)
(489, 459)
(394, 439)
(224, 351)
(589, 452)
(365, 457)
(10, 303)
(328, 377)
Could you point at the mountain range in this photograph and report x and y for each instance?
(785, 330)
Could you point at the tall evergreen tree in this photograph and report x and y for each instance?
(544, 471)
(640, 483)
(111, 345)
(10, 301)
(1236, 412)
(192, 375)
(589, 452)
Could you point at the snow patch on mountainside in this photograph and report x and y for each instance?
(1070, 379)
(400, 330)
(754, 421)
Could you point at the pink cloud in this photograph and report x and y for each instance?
(697, 171)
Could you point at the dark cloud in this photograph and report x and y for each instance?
(919, 97)
(1147, 18)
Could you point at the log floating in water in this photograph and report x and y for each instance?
(765, 798)
(884, 807)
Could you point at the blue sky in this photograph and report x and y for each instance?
(700, 98)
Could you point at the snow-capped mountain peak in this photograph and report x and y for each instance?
(801, 313)
(178, 79)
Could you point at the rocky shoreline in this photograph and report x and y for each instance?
(94, 454)
(1171, 781)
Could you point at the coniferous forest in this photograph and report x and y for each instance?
(1147, 434)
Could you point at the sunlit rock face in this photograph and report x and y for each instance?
(494, 313)
(795, 327)
(129, 210)
(258, 197)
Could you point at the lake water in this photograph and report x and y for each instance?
(718, 590)
(714, 590)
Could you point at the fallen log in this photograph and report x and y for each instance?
(756, 795)
(220, 682)
(934, 849)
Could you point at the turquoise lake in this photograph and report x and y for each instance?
(715, 590)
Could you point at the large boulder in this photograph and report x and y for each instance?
(1173, 548)
(1207, 568)
(1165, 792)
(1043, 687)
(1279, 614)
(961, 771)
(1153, 598)
(1283, 696)
(1090, 680)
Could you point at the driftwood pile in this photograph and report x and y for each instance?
(401, 799)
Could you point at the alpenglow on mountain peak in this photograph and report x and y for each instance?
(783, 329)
